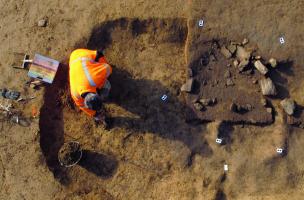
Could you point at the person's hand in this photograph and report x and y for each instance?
(100, 120)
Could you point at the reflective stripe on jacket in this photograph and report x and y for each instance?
(86, 75)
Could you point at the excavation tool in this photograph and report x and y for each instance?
(70, 154)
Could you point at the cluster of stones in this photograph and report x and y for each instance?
(244, 59)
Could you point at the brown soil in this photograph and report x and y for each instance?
(151, 151)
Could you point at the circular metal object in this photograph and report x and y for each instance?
(71, 143)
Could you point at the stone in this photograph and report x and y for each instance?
(245, 41)
(226, 52)
(227, 74)
(264, 102)
(267, 87)
(187, 87)
(235, 63)
(257, 57)
(198, 106)
(289, 106)
(254, 81)
(232, 48)
(233, 107)
(273, 62)
(260, 67)
(240, 108)
(42, 23)
(247, 107)
(269, 110)
(208, 102)
(242, 65)
(229, 82)
(242, 53)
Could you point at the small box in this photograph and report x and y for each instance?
(43, 68)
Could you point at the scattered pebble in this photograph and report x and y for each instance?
(269, 110)
(42, 23)
(242, 53)
(227, 74)
(289, 106)
(242, 65)
(235, 63)
(187, 87)
(232, 48)
(198, 106)
(257, 57)
(267, 87)
(264, 102)
(260, 67)
(240, 108)
(208, 102)
(229, 82)
(245, 41)
(273, 62)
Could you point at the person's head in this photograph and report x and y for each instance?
(93, 101)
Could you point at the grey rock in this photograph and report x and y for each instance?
(247, 107)
(229, 82)
(240, 108)
(226, 52)
(257, 57)
(187, 87)
(273, 62)
(242, 53)
(208, 102)
(269, 110)
(289, 106)
(264, 102)
(260, 67)
(232, 48)
(267, 87)
(233, 107)
(42, 23)
(245, 41)
(243, 64)
(235, 63)
(198, 106)
(227, 74)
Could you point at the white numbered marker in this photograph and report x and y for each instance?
(225, 168)
(282, 40)
(201, 23)
(164, 97)
(218, 140)
(279, 150)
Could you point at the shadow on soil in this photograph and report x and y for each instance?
(101, 165)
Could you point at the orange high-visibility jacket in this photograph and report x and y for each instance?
(86, 75)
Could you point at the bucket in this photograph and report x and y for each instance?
(70, 154)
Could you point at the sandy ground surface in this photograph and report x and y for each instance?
(150, 152)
